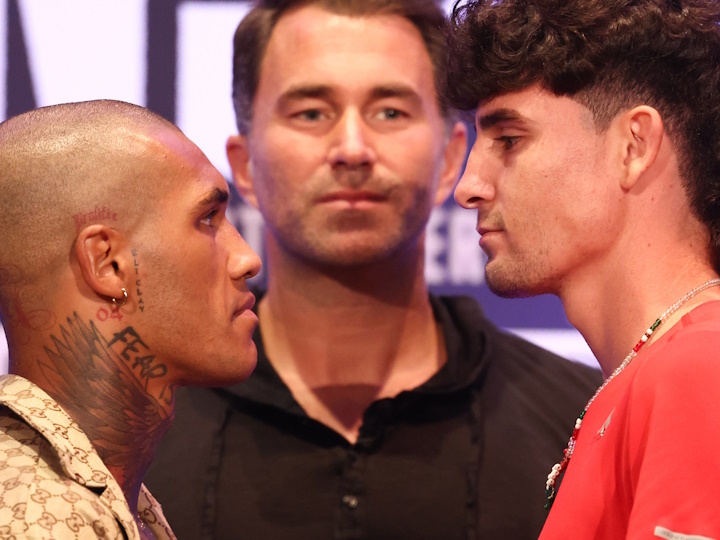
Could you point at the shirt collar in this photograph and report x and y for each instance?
(77, 456)
(465, 332)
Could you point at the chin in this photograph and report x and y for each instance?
(243, 367)
(356, 255)
(507, 286)
(349, 249)
(230, 370)
(248, 368)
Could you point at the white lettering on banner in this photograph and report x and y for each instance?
(86, 49)
(204, 109)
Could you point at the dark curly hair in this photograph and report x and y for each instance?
(608, 55)
(253, 35)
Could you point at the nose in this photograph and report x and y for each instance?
(351, 142)
(243, 262)
(474, 187)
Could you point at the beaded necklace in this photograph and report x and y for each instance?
(568, 452)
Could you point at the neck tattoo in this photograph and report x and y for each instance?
(568, 452)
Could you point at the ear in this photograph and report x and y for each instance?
(238, 156)
(641, 135)
(453, 160)
(103, 263)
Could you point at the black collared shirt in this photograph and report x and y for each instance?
(463, 456)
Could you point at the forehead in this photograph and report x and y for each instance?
(313, 46)
(177, 167)
(535, 107)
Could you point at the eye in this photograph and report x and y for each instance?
(390, 113)
(309, 115)
(208, 220)
(507, 141)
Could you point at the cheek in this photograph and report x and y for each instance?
(419, 146)
(284, 149)
(588, 190)
(280, 180)
(193, 273)
(415, 160)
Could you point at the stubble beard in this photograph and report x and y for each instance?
(345, 249)
(516, 280)
(349, 240)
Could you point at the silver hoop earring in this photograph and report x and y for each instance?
(120, 304)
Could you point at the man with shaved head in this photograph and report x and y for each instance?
(114, 248)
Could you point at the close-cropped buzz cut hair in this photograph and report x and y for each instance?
(253, 34)
(610, 56)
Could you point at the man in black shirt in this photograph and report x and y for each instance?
(376, 410)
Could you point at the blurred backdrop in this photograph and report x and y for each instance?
(175, 57)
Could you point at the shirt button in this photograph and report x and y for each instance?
(351, 501)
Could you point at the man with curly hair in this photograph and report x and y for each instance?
(596, 177)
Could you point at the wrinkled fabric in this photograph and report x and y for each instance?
(54, 484)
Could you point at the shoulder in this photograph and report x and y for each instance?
(672, 430)
(685, 362)
(674, 385)
(37, 499)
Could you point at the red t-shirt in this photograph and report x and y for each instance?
(655, 472)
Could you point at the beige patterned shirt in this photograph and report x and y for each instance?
(53, 484)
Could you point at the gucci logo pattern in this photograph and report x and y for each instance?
(53, 484)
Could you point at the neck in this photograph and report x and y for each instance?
(349, 335)
(85, 369)
(614, 310)
(657, 252)
(338, 316)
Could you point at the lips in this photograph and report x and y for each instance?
(489, 229)
(484, 230)
(246, 306)
(351, 197)
(490, 222)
